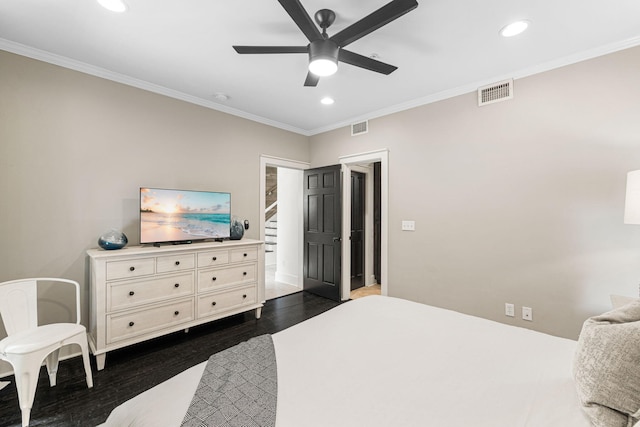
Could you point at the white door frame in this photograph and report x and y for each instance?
(284, 163)
(348, 162)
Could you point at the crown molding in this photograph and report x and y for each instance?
(104, 73)
(473, 86)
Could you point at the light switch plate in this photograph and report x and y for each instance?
(408, 226)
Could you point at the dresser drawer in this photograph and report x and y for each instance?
(133, 323)
(179, 262)
(213, 258)
(218, 302)
(122, 295)
(130, 268)
(242, 255)
(227, 276)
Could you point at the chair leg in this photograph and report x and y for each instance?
(85, 359)
(26, 413)
(26, 373)
(52, 366)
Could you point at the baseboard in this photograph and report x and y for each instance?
(289, 279)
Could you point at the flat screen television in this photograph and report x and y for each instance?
(182, 216)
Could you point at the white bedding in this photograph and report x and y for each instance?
(381, 361)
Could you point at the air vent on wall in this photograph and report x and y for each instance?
(360, 128)
(495, 92)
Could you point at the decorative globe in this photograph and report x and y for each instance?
(237, 228)
(113, 239)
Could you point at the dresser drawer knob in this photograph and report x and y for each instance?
(244, 273)
(131, 323)
(177, 285)
(177, 262)
(214, 279)
(245, 254)
(214, 258)
(131, 268)
(176, 313)
(213, 303)
(131, 293)
(244, 296)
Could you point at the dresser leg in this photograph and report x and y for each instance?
(258, 312)
(100, 360)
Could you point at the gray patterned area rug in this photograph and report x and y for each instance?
(238, 388)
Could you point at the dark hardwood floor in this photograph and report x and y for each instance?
(134, 369)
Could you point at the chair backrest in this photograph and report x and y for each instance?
(19, 303)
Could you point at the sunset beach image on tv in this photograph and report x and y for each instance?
(183, 215)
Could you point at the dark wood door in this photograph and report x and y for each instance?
(377, 220)
(322, 231)
(357, 229)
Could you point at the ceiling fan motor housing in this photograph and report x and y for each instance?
(324, 51)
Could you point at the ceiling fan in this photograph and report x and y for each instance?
(324, 51)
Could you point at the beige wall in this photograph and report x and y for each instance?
(75, 148)
(520, 201)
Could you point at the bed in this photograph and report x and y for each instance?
(382, 361)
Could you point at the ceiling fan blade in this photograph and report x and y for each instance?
(302, 19)
(271, 49)
(373, 21)
(312, 79)
(358, 60)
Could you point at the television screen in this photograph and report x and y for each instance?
(183, 215)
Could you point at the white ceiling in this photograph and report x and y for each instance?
(183, 49)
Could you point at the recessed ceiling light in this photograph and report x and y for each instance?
(514, 28)
(113, 5)
(327, 100)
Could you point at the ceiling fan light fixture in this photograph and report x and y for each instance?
(514, 28)
(118, 6)
(323, 57)
(323, 67)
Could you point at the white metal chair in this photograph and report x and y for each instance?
(28, 344)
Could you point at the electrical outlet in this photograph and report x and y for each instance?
(527, 313)
(509, 310)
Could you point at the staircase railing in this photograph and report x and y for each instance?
(271, 211)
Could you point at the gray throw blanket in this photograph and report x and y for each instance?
(238, 388)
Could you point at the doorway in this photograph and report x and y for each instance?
(374, 164)
(280, 224)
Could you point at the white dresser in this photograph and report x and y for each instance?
(142, 292)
